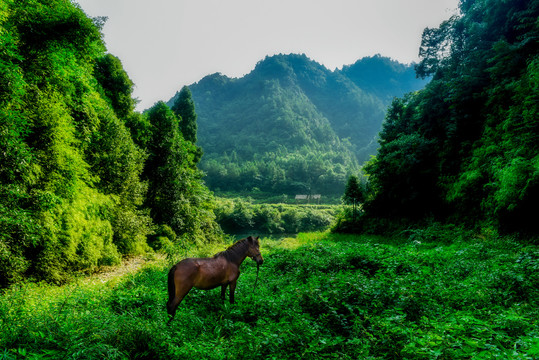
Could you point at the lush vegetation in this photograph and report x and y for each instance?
(437, 293)
(466, 148)
(292, 126)
(76, 161)
(85, 181)
(383, 77)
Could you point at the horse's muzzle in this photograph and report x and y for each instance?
(258, 258)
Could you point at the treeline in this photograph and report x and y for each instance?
(466, 148)
(84, 179)
(243, 216)
(281, 172)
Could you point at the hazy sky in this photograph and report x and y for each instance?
(165, 44)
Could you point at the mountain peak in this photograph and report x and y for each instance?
(293, 125)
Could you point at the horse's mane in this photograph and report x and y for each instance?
(232, 250)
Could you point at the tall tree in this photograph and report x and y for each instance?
(353, 192)
(184, 108)
(176, 196)
(117, 85)
(165, 157)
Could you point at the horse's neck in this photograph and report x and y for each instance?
(238, 258)
(238, 262)
(237, 255)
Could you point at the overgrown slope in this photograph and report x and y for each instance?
(75, 159)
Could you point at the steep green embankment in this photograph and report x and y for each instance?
(76, 161)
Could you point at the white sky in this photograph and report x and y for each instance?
(166, 44)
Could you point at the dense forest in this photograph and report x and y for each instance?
(293, 126)
(84, 179)
(466, 148)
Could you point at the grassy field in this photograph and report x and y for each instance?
(425, 296)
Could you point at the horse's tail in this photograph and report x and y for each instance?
(171, 289)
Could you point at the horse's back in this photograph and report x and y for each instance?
(204, 273)
(186, 268)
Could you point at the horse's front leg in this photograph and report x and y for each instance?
(232, 289)
(223, 291)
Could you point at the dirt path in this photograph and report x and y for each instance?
(128, 266)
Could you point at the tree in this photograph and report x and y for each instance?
(165, 156)
(117, 86)
(176, 196)
(465, 148)
(75, 160)
(184, 108)
(354, 192)
(70, 189)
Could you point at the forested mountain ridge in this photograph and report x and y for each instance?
(383, 77)
(292, 125)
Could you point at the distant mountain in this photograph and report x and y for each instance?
(292, 125)
(383, 77)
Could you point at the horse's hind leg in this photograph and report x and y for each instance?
(173, 303)
(223, 291)
(232, 290)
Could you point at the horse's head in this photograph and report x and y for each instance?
(254, 250)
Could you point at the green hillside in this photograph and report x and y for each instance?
(383, 77)
(84, 180)
(292, 125)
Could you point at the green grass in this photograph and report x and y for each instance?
(318, 296)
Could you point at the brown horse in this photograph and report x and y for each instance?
(222, 269)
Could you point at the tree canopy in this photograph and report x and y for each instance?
(353, 193)
(184, 108)
(466, 147)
